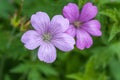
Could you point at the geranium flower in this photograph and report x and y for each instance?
(82, 26)
(48, 35)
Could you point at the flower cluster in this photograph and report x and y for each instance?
(59, 32)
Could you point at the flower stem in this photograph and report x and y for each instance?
(11, 38)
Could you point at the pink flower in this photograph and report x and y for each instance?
(48, 35)
(82, 26)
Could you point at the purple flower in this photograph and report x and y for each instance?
(81, 24)
(48, 35)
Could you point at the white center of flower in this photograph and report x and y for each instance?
(77, 24)
(47, 37)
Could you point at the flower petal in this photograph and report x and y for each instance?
(63, 42)
(88, 12)
(92, 27)
(47, 53)
(84, 40)
(40, 21)
(71, 11)
(59, 24)
(31, 39)
(71, 31)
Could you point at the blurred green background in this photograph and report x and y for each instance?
(100, 62)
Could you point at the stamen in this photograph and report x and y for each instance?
(77, 23)
(46, 37)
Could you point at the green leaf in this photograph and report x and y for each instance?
(34, 75)
(91, 73)
(115, 69)
(111, 13)
(21, 68)
(104, 29)
(115, 47)
(115, 29)
(96, 65)
(47, 69)
(99, 58)
(114, 24)
(76, 76)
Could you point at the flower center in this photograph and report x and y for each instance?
(47, 37)
(77, 24)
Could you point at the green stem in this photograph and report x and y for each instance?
(11, 38)
(20, 9)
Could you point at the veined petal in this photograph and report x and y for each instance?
(40, 21)
(59, 24)
(63, 42)
(92, 27)
(88, 12)
(84, 40)
(47, 53)
(71, 31)
(71, 12)
(31, 39)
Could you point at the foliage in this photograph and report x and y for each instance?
(100, 62)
